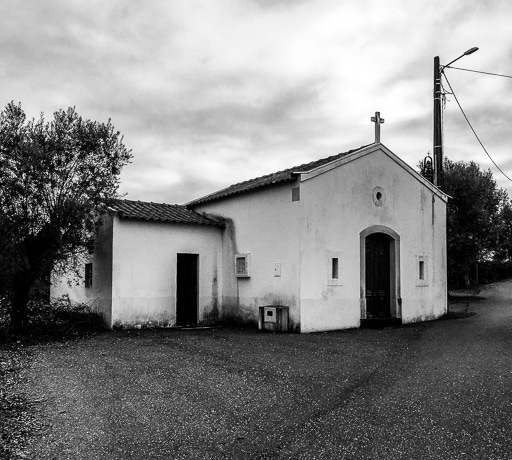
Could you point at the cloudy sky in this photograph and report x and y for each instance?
(212, 92)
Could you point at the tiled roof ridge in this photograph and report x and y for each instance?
(266, 180)
(147, 202)
(160, 212)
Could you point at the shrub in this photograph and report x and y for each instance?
(57, 317)
(491, 271)
(5, 312)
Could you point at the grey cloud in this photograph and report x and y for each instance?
(283, 110)
(190, 187)
(270, 4)
(412, 125)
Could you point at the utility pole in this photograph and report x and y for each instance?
(438, 130)
(438, 117)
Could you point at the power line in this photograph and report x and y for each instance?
(472, 129)
(478, 71)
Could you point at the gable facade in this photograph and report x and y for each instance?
(371, 193)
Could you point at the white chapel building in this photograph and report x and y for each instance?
(352, 239)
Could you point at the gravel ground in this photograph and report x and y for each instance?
(438, 390)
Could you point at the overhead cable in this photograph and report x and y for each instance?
(472, 129)
(478, 71)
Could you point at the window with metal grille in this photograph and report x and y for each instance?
(242, 265)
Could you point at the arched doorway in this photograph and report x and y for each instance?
(380, 276)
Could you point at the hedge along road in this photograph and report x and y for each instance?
(437, 390)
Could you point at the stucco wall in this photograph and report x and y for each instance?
(264, 224)
(99, 295)
(337, 206)
(144, 270)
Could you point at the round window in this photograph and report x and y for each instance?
(379, 196)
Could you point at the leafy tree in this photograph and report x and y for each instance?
(504, 249)
(474, 217)
(56, 181)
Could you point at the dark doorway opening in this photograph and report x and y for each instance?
(187, 289)
(378, 276)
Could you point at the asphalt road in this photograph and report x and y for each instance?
(446, 395)
(438, 390)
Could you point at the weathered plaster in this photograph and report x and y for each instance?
(264, 224)
(144, 270)
(99, 296)
(339, 210)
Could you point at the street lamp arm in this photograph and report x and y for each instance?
(466, 53)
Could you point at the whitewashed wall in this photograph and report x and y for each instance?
(134, 272)
(144, 270)
(265, 224)
(337, 206)
(99, 295)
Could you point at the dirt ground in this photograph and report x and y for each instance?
(432, 390)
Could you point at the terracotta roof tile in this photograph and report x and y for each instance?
(287, 175)
(160, 212)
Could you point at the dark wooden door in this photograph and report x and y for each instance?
(378, 276)
(187, 289)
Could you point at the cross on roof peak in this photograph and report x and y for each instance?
(377, 120)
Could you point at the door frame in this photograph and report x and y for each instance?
(394, 260)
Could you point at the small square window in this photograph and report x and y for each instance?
(88, 275)
(242, 265)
